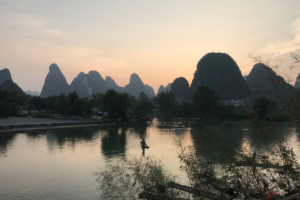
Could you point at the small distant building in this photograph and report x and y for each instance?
(95, 110)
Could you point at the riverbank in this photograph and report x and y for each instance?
(20, 124)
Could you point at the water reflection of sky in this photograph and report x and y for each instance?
(58, 164)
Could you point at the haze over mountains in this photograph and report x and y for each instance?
(217, 70)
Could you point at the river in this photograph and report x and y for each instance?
(59, 164)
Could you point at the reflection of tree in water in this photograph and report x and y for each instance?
(263, 136)
(60, 137)
(217, 141)
(35, 134)
(141, 131)
(114, 142)
(6, 140)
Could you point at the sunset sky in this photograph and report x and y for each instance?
(159, 40)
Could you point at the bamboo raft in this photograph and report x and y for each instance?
(149, 196)
(249, 164)
(198, 192)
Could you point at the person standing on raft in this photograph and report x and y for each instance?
(143, 142)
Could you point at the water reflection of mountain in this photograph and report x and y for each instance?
(263, 136)
(114, 142)
(6, 140)
(216, 140)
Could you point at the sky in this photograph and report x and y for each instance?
(159, 40)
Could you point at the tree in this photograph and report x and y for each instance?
(183, 110)
(144, 109)
(97, 100)
(88, 106)
(7, 104)
(51, 102)
(78, 107)
(62, 103)
(166, 102)
(73, 96)
(39, 102)
(264, 107)
(115, 104)
(204, 101)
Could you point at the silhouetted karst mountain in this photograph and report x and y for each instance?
(5, 76)
(135, 86)
(33, 93)
(55, 82)
(150, 91)
(111, 84)
(82, 85)
(263, 81)
(297, 84)
(164, 89)
(100, 86)
(11, 87)
(219, 71)
(180, 87)
(87, 84)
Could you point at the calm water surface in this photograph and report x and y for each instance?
(58, 164)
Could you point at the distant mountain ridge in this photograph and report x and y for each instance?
(88, 84)
(134, 88)
(263, 81)
(164, 89)
(33, 93)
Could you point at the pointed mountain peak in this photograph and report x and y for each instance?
(94, 73)
(135, 79)
(5, 75)
(53, 67)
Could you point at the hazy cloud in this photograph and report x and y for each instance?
(285, 46)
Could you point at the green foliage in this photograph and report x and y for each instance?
(183, 110)
(78, 106)
(38, 102)
(88, 106)
(264, 107)
(62, 104)
(73, 96)
(97, 100)
(204, 101)
(115, 104)
(144, 108)
(120, 182)
(166, 102)
(7, 104)
(232, 112)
